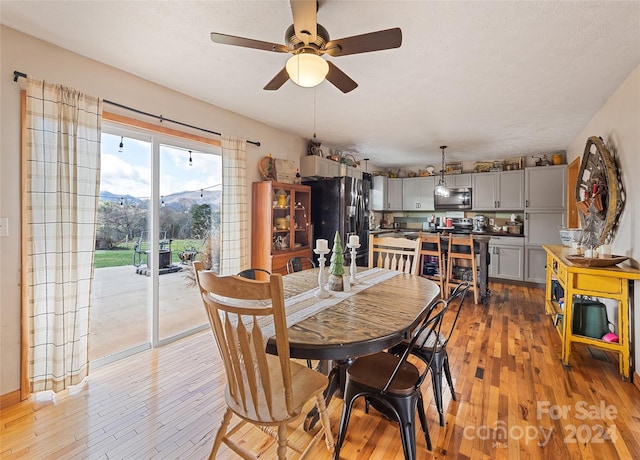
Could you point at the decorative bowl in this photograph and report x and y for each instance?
(596, 262)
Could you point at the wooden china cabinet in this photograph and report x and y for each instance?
(281, 224)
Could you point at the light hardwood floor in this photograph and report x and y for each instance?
(511, 388)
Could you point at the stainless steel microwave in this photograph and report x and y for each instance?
(459, 198)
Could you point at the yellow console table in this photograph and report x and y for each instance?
(606, 282)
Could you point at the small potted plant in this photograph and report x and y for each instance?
(336, 269)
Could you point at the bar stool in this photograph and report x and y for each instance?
(461, 264)
(430, 254)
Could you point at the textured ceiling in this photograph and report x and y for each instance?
(490, 79)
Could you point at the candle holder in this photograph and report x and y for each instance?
(354, 249)
(322, 292)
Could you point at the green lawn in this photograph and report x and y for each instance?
(123, 254)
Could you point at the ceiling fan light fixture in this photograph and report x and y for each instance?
(307, 69)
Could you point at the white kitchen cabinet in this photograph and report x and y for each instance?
(313, 166)
(545, 187)
(507, 258)
(502, 191)
(535, 264)
(386, 194)
(394, 194)
(458, 180)
(541, 227)
(379, 193)
(417, 193)
(483, 192)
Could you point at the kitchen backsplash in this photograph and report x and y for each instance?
(414, 222)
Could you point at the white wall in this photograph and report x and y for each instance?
(47, 62)
(618, 124)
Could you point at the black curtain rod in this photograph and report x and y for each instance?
(17, 75)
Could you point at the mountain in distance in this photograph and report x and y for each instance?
(112, 197)
(180, 200)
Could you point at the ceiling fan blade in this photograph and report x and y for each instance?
(373, 41)
(339, 79)
(247, 43)
(277, 81)
(305, 19)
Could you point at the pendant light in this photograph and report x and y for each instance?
(441, 188)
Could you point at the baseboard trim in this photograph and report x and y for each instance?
(9, 399)
(636, 380)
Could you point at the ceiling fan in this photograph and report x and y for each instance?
(308, 41)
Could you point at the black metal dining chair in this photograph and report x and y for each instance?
(297, 264)
(437, 355)
(250, 273)
(391, 384)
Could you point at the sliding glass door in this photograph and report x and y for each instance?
(119, 320)
(159, 211)
(190, 187)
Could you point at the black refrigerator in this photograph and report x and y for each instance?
(341, 204)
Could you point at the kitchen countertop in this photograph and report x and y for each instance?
(408, 232)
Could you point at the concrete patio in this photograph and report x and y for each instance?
(121, 308)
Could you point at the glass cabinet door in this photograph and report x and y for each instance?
(301, 231)
(281, 219)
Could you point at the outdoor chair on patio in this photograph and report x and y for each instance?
(141, 248)
(268, 391)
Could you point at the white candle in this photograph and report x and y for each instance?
(604, 251)
(588, 253)
(322, 245)
(354, 240)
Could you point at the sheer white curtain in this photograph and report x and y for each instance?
(233, 254)
(61, 192)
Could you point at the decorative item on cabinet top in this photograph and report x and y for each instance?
(510, 164)
(277, 169)
(313, 148)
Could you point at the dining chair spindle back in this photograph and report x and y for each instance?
(400, 254)
(262, 389)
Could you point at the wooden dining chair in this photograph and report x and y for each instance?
(437, 356)
(297, 264)
(391, 384)
(461, 264)
(400, 254)
(432, 261)
(265, 390)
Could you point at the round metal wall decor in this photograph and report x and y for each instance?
(599, 194)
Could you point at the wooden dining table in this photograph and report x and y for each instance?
(375, 315)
